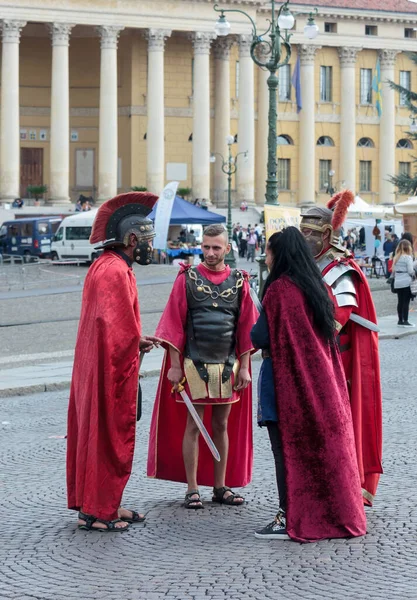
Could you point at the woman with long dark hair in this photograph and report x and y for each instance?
(303, 400)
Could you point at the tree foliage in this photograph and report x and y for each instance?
(407, 184)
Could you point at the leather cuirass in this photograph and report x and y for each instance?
(213, 312)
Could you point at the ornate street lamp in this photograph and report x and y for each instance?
(270, 56)
(330, 188)
(229, 167)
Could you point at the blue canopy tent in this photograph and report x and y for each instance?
(184, 213)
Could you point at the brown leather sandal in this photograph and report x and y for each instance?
(218, 496)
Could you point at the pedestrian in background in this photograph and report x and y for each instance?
(403, 276)
(252, 245)
(306, 404)
(388, 250)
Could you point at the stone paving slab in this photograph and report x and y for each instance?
(204, 555)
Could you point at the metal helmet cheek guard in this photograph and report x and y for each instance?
(121, 216)
(321, 219)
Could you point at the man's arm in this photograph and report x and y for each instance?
(243, 378)
(175, 373)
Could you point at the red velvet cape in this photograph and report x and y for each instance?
(323, 487)
(363, 374)
(102, 406)
(165, 459)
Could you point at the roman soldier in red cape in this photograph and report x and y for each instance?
(358, 339)
(205, 330)
(104, 389)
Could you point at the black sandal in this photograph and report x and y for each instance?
(192, 503)
(218, 496)
(90, 520)
(135, 518)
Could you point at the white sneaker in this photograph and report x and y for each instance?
(277, 530)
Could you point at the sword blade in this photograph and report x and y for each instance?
(364, 322)
(200, 425)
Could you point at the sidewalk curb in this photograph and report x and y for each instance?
(54, 387)
(64, 385)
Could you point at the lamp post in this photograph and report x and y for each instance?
(229, 168)
(269, 55)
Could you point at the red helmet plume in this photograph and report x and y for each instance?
(339, 204)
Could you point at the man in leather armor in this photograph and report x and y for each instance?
(358, 344)
(205, 329)
(104, 388)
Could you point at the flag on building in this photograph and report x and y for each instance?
(296, 82)
(377, 87)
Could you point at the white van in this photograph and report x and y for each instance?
(71, 241)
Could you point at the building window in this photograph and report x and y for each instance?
(284, 89)
(237, 80)
(283, 175)
(405, 82)
(404, 144)
(325, 140)
(371, 30)
(330, 28)
(366, 86)
(324, 167)
(366, 143)
(284, 140)
(365, 169)
(405, 169)
(326, 84)
(410, 33)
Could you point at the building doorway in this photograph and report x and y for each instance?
(31, 168)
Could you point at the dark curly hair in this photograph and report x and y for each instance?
(292, 257)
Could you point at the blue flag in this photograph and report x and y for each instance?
(377, 87)
(296, 82)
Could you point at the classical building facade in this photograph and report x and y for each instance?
(98, 96)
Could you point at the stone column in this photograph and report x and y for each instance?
(348, 117)
(221, 51)
(59, 162)
(245, 174)
(155, 143)
(201, 116)
(307, 134)
(261, 171)
(387, 164)
(10, 122)
(108, 148)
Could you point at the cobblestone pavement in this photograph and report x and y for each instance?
(210, 554)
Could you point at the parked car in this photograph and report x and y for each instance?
(72, 240)
(28, 237)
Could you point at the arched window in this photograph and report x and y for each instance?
(404, 144)
(366, 143)
(325, 140)
(284, 140)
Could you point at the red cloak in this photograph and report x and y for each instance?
(323, 488)
(361, 364)
(102, 406)
(165, 459)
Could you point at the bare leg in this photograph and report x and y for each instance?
(219, 421)
(221, 440)
(190, 450)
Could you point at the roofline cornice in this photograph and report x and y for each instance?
(348, 14)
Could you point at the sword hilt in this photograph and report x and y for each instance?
(181, 386)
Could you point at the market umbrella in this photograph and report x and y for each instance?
(409, 207)
(362, 210)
